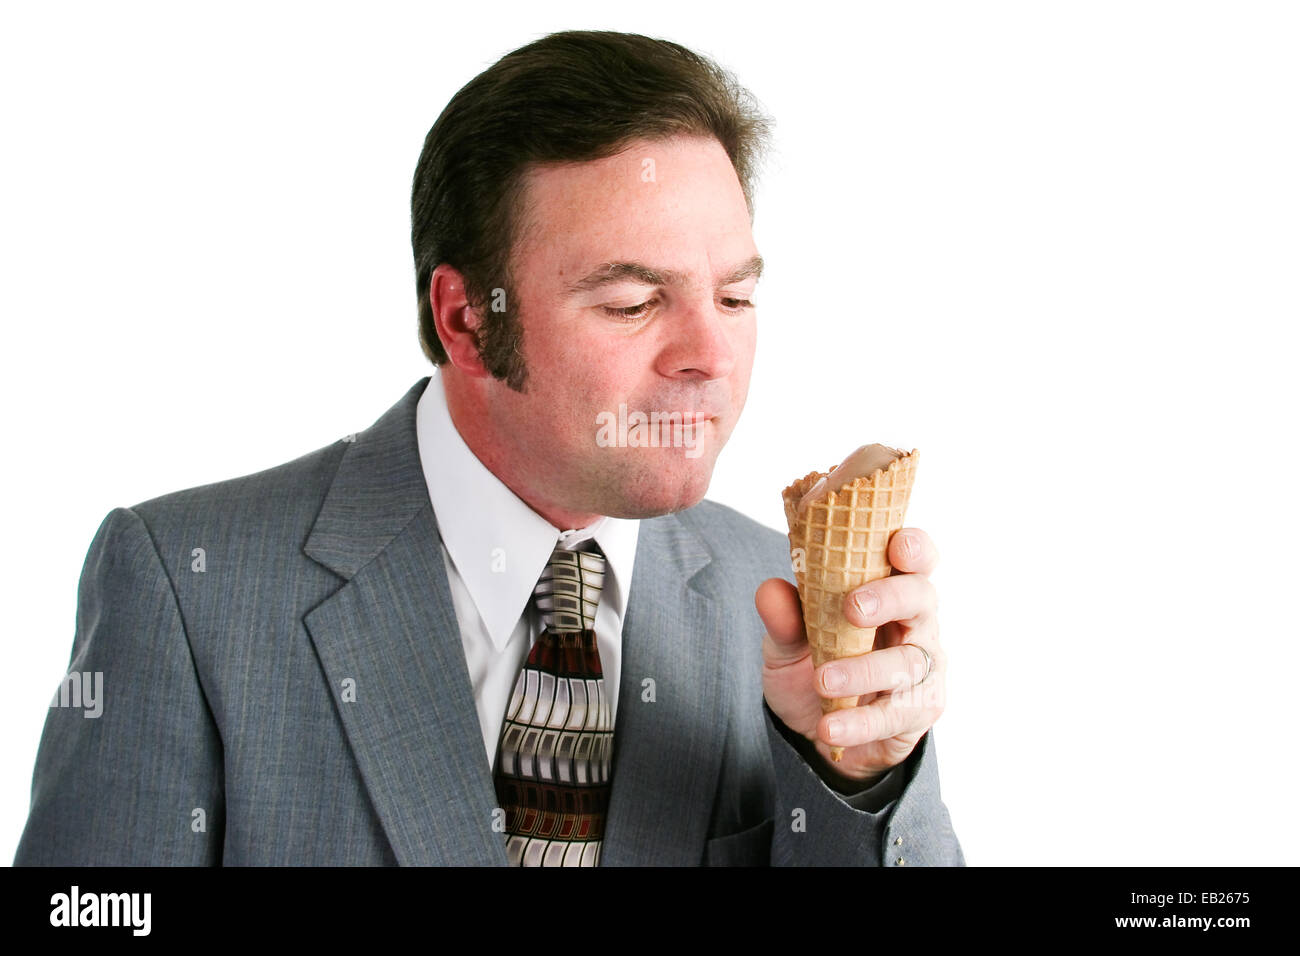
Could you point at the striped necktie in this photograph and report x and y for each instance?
(553, 760)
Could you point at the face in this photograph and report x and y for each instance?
(669, 328)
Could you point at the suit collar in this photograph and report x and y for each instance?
(376, 491)
(390, 645)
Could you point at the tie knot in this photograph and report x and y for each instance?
(569, 589)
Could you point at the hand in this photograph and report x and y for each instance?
(894, 710)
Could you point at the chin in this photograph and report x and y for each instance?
(663, 491)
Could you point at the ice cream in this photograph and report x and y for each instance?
(861, 464)
(840, 526)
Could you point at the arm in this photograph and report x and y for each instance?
(861, 830)
(121, 788)
(873, 795)
(883, 798)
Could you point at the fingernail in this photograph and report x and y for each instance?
(833, 678)
(834, 727)
(867, 601)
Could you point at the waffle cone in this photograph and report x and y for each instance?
(839, 543)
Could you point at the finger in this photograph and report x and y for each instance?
(899, 597)
(778, 606)
(884, 671)
(911, 551)
(881, 719)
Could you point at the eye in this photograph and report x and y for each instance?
(738, 305)
(631, 313)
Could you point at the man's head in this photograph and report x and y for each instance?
(585, 173)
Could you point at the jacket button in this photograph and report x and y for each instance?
(899, 862)
(898, 841)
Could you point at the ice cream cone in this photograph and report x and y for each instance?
(839, 541)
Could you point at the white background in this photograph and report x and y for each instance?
(1052, 245)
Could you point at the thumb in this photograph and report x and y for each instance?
(778, 606)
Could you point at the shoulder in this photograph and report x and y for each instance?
(281, 501)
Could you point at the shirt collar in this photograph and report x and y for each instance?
(497, 543)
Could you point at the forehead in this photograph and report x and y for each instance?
(676, 202)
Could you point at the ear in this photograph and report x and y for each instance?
(456, 321)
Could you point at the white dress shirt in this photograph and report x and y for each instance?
(495, 548)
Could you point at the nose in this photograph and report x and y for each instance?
(701, 343)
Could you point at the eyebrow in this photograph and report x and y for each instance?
(609, 272)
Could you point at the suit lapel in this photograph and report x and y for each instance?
(667, 751)
(391, 629)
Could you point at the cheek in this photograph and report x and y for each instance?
(571, 395)
(745, 346)
(604, 376)
(553, 355)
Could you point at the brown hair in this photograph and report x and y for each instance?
(574, 96)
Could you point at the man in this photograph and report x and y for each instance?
(344, 659)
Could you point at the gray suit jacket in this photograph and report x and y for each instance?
(284, 683)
